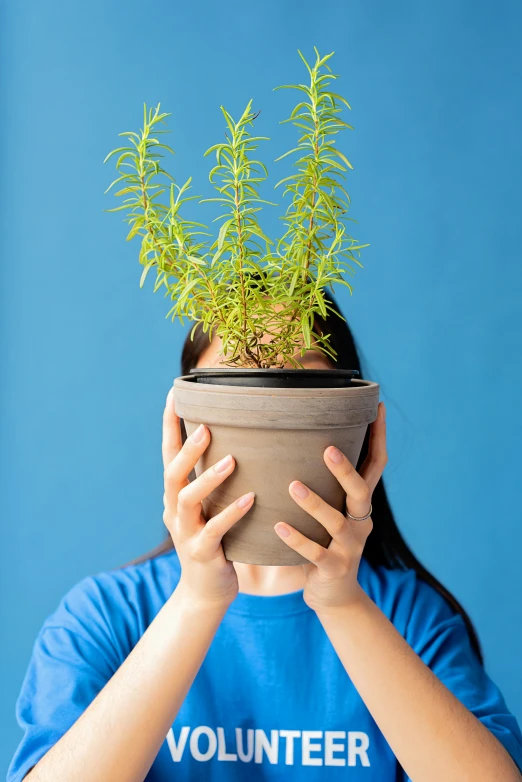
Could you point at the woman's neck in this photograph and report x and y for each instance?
(269, 579)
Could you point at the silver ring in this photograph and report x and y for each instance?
(360, 518)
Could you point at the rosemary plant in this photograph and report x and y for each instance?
(241, 284)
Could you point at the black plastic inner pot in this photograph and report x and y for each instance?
(275, 378)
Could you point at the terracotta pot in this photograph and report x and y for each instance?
(276, 435)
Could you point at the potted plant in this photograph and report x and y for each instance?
(243, 286)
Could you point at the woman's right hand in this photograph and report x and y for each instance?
(205, 571)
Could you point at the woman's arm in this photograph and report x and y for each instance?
(432, 734)
(118, 736)
(120, 733)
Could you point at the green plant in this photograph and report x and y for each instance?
(241, 284)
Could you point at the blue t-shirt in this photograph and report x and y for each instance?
(271, 700)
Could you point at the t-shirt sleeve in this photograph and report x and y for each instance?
(441, 639)
(72, 659)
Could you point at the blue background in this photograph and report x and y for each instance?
(88, 357)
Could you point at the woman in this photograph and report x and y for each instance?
(185, 666)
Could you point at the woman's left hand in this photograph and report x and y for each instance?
(331, 573)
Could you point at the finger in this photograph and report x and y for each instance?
(374, 464)
(325, 559)
(177, 471)
(189, 496)
(171, 442)
(349, 478)
(332, 520)
(209, 540)
(358, 493)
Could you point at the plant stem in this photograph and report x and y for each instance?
(248, 353)
(314, 194)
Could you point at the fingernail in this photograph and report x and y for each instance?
(300, 490)
(170, 395)
(198, 435)
(335, 454)
(223, 464)
(245, 500)
(282, 530)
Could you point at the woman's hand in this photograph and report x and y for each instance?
(332, 572)
(205, 572)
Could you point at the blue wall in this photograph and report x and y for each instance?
(88, 357)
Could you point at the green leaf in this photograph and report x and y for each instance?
(216, 257)
(223, 232)
(132, 189)
(294, 282)
(305, 325)
(320, 301)
(339, 97)
(145, 272)
(116, 208)
(115, 152)
(340, 154)
(113, 183)
(301, 87)
(123, 157)
(195, 259)
(307, 66)
(134, 230)
(228, 119)
(296, 149)
(212, 148)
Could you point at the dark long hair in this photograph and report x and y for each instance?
(385, 546)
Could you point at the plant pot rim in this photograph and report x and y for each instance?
(280, 377)
(208, 395)
(264, 370)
